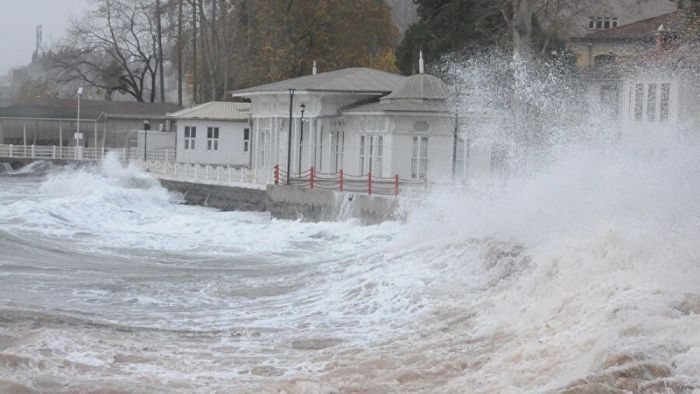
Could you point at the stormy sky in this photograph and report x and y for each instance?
(18, 21)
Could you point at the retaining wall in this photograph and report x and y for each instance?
(320, 205)
(226, 198)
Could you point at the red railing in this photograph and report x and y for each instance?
(342, 182)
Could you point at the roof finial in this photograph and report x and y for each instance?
(313, 69)
(421, 66)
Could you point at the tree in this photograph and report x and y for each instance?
(115, 47)
(33, 90)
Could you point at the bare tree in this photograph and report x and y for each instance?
(159, 29)
(114, 47)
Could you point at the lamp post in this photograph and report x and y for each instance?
(146, 127)
(78, 135)
(289, 138)
(301, 134)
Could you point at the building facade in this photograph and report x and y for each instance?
(357, 120)
(214, 133)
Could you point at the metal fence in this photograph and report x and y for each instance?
(341, 182)
(80, 153)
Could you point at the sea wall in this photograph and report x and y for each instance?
(226, 198)
(320, 205)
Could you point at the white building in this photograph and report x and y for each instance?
(356, 120)
(214, 133)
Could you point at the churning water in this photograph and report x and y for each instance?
(588, 270)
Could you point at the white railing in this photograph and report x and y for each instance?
(80, 153)
(206, 173)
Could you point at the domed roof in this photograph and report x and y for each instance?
(420, 86)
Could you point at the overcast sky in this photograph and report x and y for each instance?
(18, 21)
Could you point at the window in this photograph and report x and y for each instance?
(609, 101)
(212, 138)
(190, 137)
(337, 142)
(651, 102)
(378, 155)
(246, 140)
(602, 22)
(664, 106)
(362, 155)
(603, 60)
(262, 140)
(419, 159)
(638, 101)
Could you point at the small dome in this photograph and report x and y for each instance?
(421, 86)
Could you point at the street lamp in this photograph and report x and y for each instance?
(301, 134)
(289, 137)
(78, 135)
(146, 127)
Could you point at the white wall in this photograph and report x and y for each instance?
(231, 144)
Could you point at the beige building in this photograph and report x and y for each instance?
(600, 34)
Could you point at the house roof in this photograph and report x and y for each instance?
(399, 106)
(420, 86)
(215, 110)
(89, 109)
(417, 93)
(644, 29)
(355, 79)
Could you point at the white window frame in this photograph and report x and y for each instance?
(603, 22)
(212, 138)
(650, 101)
(419, 157)
(362, 154)
(190, 137)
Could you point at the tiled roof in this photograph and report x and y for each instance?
(420, 86)
(89, 109)
(644, 29)
(215, 110)
(357, 79)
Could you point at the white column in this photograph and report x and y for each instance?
(60, 135)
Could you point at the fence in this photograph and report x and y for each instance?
(162, 164)
(339, 181)
(79, 153)
(206, 173)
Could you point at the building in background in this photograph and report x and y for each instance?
(604, 46)
(109, 124)
(214, 133)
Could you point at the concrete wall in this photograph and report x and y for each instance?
(317, 205)
(290, 203)
(225, 198)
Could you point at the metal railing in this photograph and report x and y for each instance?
(79, 153)
(341, 182)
